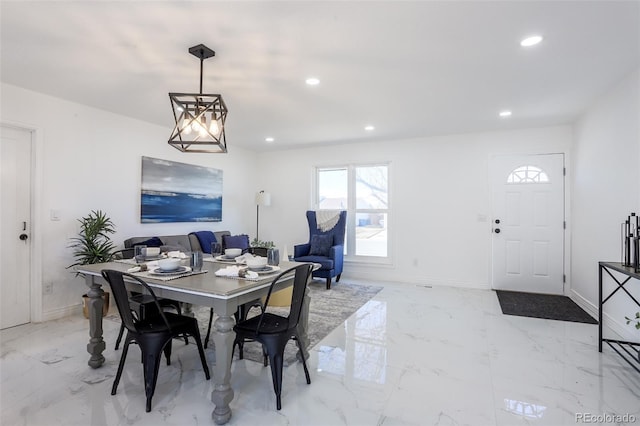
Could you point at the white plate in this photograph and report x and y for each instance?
(270, 269)
(263, 268)
(224, 258)
(180, 270)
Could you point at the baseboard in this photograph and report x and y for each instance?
(62, 312)
(414, 280)
(613, 329)
(589, 307)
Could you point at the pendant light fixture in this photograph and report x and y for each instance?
(200, 118)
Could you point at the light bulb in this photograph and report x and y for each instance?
(186, 128)
(196, 124)
(202, 126)
(213, 127)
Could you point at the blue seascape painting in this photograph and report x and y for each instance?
(179, 192)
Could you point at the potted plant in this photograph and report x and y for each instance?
(93, 245)
(636, 319)
(260, 248)
(263, 244)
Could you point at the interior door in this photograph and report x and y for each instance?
(15, 223)
(528, 223)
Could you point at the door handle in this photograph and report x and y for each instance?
(23, 237)
(497, 230)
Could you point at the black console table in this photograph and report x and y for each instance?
(627, 350)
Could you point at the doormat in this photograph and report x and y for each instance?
(327, 310)
(545, 306)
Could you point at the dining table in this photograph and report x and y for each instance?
(203, 288)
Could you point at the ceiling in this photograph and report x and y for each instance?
(411, 69)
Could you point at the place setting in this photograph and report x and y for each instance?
(231, 255)
(170, 268)
(247, 267)
(144, 254)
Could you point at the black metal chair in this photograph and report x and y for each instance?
(142, 301)
(127, 253)
(274, 331)
(153, 333)
(243, 310)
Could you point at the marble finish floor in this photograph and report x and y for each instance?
(412, 355)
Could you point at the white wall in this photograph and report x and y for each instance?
(88, 159)
(606, 188)
(439, 186)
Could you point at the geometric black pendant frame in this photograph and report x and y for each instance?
(200, 118)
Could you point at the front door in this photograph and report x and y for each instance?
(15, 224)
(528, 223)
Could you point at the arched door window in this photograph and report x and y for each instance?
(528, 174)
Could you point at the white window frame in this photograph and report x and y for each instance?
(350, 234)
(532, 174)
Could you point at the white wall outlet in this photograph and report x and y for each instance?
(47, 288)
(54, 214)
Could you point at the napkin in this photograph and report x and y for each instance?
(243, 258)
(143, 267)
(232, 271)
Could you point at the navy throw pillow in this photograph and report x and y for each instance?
(320, 245)
(236, 241)
(151, 242)
(205, 238)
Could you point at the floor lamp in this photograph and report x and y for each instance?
(262, 199)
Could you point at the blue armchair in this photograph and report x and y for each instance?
(325, 246)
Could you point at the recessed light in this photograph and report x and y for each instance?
(505, 114)
(312, 81)
(531, 41)
(369, 128)
(269, 139)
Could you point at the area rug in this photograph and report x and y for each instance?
(546, 306)
(327, 310)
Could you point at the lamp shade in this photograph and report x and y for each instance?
(263, 198)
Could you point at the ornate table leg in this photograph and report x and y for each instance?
(303, 327)
(96, 344)
(222, 394)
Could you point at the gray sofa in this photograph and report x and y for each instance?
(184, 243)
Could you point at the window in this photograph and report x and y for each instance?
(363, 191)
(527, 174)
